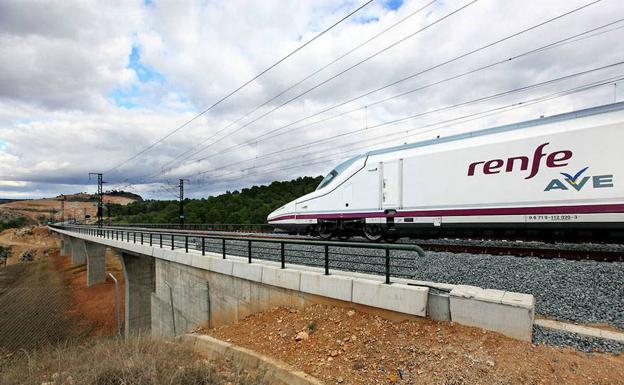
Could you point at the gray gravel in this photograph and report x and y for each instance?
(585, 344)
(581, 291)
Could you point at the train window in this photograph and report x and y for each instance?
(335, 172)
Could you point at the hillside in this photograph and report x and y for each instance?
(75, 206)
(250, 205)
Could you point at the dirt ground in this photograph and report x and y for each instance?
(342, 346)
(42, 210)
(47, 301)
(36, 239)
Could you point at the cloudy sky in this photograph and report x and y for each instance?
(86, 86)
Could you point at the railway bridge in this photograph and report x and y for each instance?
(177, 281)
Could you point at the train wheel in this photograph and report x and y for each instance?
(391, 238)
(325, 232)
(373, 233)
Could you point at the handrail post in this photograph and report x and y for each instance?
(387, 266)
(117, 318)
(249, 250)
(223, 246)
(282, 256)
(150, 239)
(186, 243)
(326, 259)
(134, 236)
(160, 240)
(203, 246)
(172, 241)
(141, 237)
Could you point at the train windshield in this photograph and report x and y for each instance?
(335, 172)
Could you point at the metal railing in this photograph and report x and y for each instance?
(389, 260)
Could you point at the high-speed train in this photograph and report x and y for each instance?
(557, 177)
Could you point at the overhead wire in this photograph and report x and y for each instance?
(227, 96)
(420, 130)
(431, 68)
(343, 156)
(267, 136)
(301, 81)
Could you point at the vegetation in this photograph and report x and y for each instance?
(125, 194)
(13, 223)
(114, 361)
(250, 205)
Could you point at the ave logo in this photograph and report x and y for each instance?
(578, 181)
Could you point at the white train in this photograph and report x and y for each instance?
(557, 176)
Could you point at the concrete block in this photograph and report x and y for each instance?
(332, 286)
(222, 266)
(395, 297)
(286, 278)
(248, 271)
(486, 309)
(438, 306)
(201, 262)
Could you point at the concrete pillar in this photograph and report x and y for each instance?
(139, 279)
(96, 271)
(79, 252)
(65, 245)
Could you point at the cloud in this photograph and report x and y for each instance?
(85, 85)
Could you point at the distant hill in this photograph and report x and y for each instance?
(63, 207)
(3, 200)
(250, 205)
(113, 196)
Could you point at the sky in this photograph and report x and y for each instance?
(92, 86)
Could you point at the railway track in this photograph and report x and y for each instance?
(593, 252)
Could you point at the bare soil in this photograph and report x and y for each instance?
(43, 210)
(348, 347)
(36, 239)
(46, 301)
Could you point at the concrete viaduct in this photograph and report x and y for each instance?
(170, 292)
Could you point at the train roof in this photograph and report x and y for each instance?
(508, 127)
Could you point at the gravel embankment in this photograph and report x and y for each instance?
(585, 344)
(580, 291)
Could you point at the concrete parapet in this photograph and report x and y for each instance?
(248, 271)
(222, 266)
(396, 297)
(438, 306)
(285, 278)
(505, 312)
(79, 252)
(331, 286)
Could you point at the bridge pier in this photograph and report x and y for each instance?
(139, 280)
(65, 245)
(96, 270)
(78, 251)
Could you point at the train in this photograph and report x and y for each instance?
(552, 178)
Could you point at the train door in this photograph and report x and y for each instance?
(391, 184)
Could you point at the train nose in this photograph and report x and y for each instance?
(288, 208)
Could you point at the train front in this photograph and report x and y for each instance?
(284, 218)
